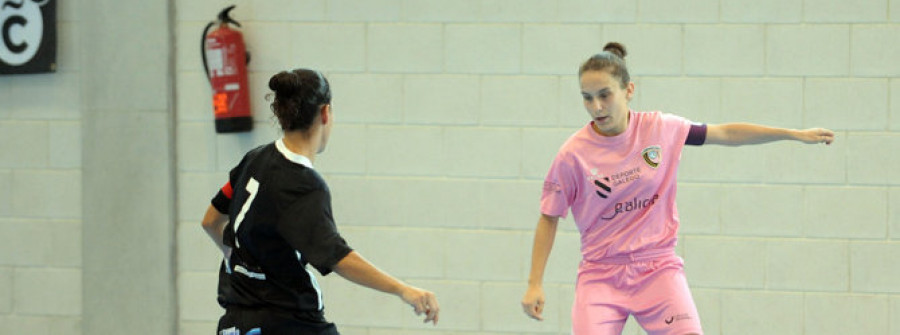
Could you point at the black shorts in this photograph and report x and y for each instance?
(263, 322)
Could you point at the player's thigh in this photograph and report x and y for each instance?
(667, 307)
(594, 312)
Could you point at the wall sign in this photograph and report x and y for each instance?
(27, 36)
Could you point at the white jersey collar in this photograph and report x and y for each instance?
(291, 156)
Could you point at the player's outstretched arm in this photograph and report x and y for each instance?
(747, 133)
(357, 269)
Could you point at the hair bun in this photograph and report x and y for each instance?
(616, 48)
(284, 83)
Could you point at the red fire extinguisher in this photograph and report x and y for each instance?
(225, 60)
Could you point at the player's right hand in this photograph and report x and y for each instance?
(533, 302)
(422, 301)
(816, 135)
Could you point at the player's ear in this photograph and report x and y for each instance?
(325, 113)
(629, 91)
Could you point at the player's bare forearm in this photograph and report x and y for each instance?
(357, 269)
(214, 224)
(735, 134)
(544, 234)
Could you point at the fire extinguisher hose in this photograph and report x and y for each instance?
(203, 50)
(224, 19)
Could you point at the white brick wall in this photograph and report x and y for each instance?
(597, 11)
(6, 290)
(895, 105)
(894, 214)
(46, 194)
(363, 98)
(871, 167)
(441, 99)
(895, 315)
(518, 11)
(547, 48)
(706, 257)
(808, 50)
(692, 11)
(653, 49)
(17, 135)
(762, 210)
(871, 271)
(709, 305)
(5, 197)
(519, 100)
(405, 48)
(836, 211)
(404, 150)
(45, 97)
(376, 10)
(48, 292)
(760, 312)
(874, 49)
(287, 10)
(764, 101)
(65, 144)
(40, 325)
(257, 35)
(734, 50)
(843, 11)
(764, 11)
(830, 314)
(828, 102)
(467, 47)
(694, 98)
(798, 265)
(449, 113)
(441, 11)
(699, 208)
(340, 47)
(40, 202)
(537, 145)
(196, 287)
(460, 305)
(484, 152)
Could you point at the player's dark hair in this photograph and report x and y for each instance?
(299, 94)
(611, 60)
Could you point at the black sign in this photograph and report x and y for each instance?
(27, 36)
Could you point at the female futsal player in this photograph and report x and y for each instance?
(617, 174)
(274, 217)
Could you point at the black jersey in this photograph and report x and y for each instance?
(280, 221)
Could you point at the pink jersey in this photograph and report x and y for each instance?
(621, 189)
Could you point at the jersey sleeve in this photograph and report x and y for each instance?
(222, 200)
(559, 189)
(696, 135)
(678, 127)
(308, 226)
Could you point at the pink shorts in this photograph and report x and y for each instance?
(649, 285)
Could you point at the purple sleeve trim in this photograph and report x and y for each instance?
(697, 135)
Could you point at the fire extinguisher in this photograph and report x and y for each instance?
(225, 60)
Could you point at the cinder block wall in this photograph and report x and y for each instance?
(449, 113)
(40, 193)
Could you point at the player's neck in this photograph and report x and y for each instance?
(303, 143)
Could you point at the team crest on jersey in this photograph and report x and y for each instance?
(652, 155)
